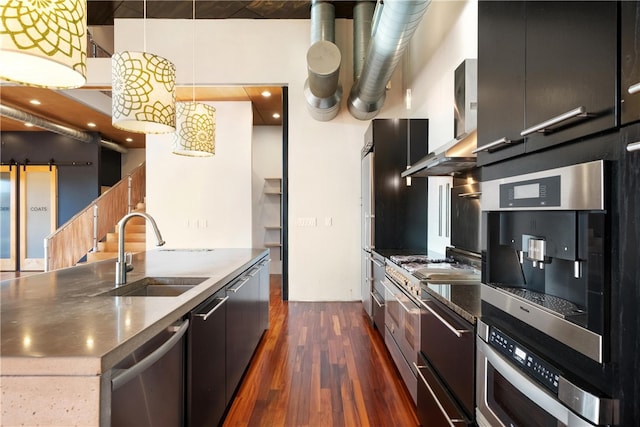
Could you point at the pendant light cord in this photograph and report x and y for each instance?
(193, 56)
(144, 26)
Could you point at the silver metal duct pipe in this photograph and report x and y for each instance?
(323, 22)
(86, 137)
(362, 26)
(398, 21)
(322, 89)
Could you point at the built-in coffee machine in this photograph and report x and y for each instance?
(545, 313)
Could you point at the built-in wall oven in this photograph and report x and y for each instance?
(544, 346)
(517, 387)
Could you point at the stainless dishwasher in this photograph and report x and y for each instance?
(147, 386)
(206, 362)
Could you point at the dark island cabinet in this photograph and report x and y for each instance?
(501, 79)
(630, 61)
(555, 64)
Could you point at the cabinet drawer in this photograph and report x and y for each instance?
(435, 406)
(447, 341)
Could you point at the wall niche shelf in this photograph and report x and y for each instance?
(273, 232)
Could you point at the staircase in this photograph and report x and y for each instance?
(135, 239)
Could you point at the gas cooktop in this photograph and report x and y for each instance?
(425, 268)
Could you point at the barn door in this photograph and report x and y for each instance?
(38, 213)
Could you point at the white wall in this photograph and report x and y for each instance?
(131, 160)
(324, 157)
(201, 202)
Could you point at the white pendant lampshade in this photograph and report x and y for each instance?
(195, 130)
(44, 43)
(143, 92)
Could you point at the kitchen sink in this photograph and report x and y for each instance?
(155, 287)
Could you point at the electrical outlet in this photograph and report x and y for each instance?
(307, 222)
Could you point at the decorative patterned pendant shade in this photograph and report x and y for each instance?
(195, 130)
(143, 92)
(44, 43)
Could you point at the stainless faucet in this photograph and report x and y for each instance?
(121, 265)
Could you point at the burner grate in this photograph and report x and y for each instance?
(560, 306)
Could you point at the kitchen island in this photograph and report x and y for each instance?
(61, 334)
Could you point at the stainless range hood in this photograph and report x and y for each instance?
(456, 155)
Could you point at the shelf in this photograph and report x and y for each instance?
(273, 179)
(271, 192)
(273, 227)
(272, 245)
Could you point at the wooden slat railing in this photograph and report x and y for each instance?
(80, 235)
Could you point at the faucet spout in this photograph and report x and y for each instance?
(121, 264)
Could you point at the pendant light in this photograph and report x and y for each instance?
(44, 43)
(195, 130)
(143, 90)
(196, 122)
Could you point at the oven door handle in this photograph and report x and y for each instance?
(396, 298)
(373, 295)
(545, 400)
(457, 332)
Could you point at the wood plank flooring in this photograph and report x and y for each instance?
(321, 364)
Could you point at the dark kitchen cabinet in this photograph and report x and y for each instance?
(501, 78)
(571, 63)
(569, 54)
(630, 61)
(206, 366)
(399, 210)
(244, 327)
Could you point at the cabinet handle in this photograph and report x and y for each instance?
(435, 398)
(447, 216)
(541, 127)
(205, 316)
(634, 146)
(376, 262)
(472, 195)
(254, 271)
(242, 283)
(493, 144)
(634, 88)
(457, 332)
(376, 300)
(440, 210)
(123, 376)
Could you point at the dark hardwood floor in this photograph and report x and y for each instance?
(321, 364)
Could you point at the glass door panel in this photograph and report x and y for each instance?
(8, 218)
(38, 209)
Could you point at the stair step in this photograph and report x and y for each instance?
(99, 256)
(128, 237)
(128, 246)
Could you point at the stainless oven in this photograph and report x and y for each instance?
(402, 327)
(516, 387)
(544, 343)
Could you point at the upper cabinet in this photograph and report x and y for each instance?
(501, 79)
(549, 67)
(630, 61)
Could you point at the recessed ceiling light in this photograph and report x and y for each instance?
(35, 102)
(266, 93)
(91, 124)
(29, 125)
(276, 116)
(129, 139)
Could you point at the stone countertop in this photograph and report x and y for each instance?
(54, 324)
(461, 297)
